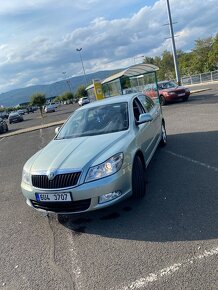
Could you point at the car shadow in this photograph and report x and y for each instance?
(181, 200)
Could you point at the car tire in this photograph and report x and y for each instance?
(138, 179)
(163, 141)
(5, 128)
(185, 99)
(162, 100)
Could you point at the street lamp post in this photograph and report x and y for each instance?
(67, 81)
(80, 54)
(173, 44)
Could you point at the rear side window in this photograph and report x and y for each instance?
(147, 103)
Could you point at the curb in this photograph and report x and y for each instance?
(200, 90)
(31, 129)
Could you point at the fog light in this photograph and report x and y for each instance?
(109, 196)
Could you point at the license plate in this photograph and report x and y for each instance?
(53, 197)
(181, 95)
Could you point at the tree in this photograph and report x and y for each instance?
(185, 63)
(213, 54)
(200, 61)
(67, 96)
(125, 82)
(81, 92)
(38, 99)
(165, 64)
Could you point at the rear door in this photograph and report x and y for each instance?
(144, 132)
(155, 111)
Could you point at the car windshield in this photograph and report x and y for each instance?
(167, 85)
(96, 121)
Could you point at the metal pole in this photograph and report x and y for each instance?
(65, 78)
(67, 81)
(173, 44)
(79, 50)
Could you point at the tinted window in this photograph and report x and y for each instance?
(147, 103)
(166, 85)
(137, 108)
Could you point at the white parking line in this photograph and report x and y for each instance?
(153, 277)
(2, 139)
(76, 269)
(193, 161)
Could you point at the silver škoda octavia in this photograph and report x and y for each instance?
(97, 158)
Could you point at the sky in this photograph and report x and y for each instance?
(39, 38)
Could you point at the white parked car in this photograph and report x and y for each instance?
(83, 101)
(49, 108)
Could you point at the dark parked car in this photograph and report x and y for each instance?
(168, 92)
(29, 110)
(14, 117)
(4, 115)
(3, 126)
(21, 112)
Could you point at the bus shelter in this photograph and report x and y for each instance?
(136, 78)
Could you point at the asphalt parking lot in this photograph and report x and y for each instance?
(169, 240)
(35, 119)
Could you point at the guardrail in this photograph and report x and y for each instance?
(200, 78)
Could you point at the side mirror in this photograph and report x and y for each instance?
(144, 118)
(57, 130)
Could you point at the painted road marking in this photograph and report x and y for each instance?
(193, 161)
(153, 277)
(76, 269)
(2, 139)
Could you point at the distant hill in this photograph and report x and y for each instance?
(18, 96)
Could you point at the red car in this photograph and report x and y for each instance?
(168, 92)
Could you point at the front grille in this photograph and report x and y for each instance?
(60, 180)
(181, 91)
(72, 206)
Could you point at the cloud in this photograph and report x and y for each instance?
(37, 48)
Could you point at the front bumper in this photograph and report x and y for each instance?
(173, 97)
(85, 197)
(15, 120)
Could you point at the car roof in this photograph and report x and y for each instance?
(162, 82)
(111, 100)
(14, 113)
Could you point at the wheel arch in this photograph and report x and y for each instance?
(141, 156)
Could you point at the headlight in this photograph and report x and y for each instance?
(109, 167)
(26, 177)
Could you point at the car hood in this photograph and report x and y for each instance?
(75, 153)
(178, 88)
